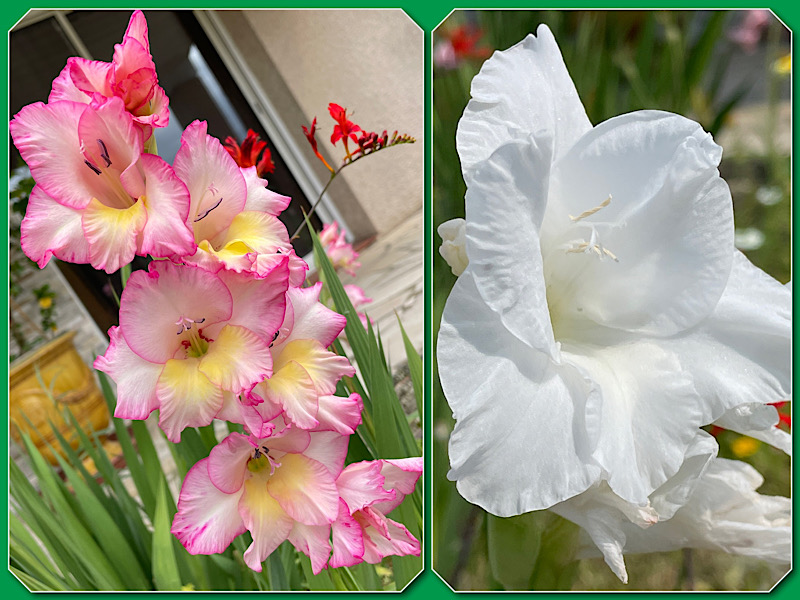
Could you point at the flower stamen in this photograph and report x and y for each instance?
(591, 211)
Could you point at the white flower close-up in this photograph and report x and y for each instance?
(602, 316)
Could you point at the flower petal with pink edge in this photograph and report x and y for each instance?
(323, 366)
(259, 303)
(215, 183)
(51, 229)
(361, 485)
(348, 539)
(285, 437)
(328, 448)
(293, 389)
(135, 377)
(134, 75)
(166, 233)
(187, 397)
(401, 476)
(154, 302)
(112, 233)
(312, 319)
(313, 541)
(261, 199)
(137, 29)
(208, 519)
(305, 489)
(237, 359)
(297, 266)
(339, 414)
(47, 139)
(267, 522)
(399, 542)
(80, 79)
(227, 462)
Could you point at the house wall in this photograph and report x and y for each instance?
(368, 61)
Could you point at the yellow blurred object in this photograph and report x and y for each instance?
(45, 381)
(783, 66)
(45, 303)
(744, 446)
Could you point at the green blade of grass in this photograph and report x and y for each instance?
(414, 368)
(165, 566)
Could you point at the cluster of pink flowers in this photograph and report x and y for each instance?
(222, 328)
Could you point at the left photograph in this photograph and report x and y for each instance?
(216, 305)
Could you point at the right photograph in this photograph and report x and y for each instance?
(612, 305)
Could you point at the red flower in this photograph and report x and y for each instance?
(311, 137)
(247, 154)
(344, 128)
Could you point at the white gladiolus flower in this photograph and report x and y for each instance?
(604, 314)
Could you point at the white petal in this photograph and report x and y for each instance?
(757, 421)
(520, 443)
(649, 415)
(668, 225)
(505, 201)
(520, 91)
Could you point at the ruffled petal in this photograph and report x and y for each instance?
(112, 233)
(215, 183)
(187, 398)
(208, 519)
(401, 476)
(154, 302)
(396, 542)
(51, 229)
(293, 390)
(236, 360)
(324, 367)
(741, 353)
(328, 448)
(654, 258)
(348, 539)
(518, 92)
(259, 303)
(312, 320)
(305, 490)
(759, 421)
(227, 462)
(339, 414)
(47, 139)
(361, 484)
(314, 542)
(507, 194)
(645, 396)
(494, 383)
(166, 232)
(267, 522)
(135, 377)
(261, 199)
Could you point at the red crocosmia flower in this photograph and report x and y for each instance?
(344, 128)
(785, 417)
(311, 137)
(247, 154)
(465, 43)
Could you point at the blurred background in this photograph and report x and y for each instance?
(728, 70)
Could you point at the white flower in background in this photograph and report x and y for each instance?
(453, 248)
(604, 315)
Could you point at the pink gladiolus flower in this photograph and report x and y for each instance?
(278, 487)
(131, 76)
(305, 373)
(369, 491)
(234, 215)
(187, 337)
(98, 198)
(341, 253)
(358, 299)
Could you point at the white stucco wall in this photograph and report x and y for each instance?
(372, 63)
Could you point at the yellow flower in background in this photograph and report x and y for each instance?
(45, 303)
(783, 66)
(744, 446)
